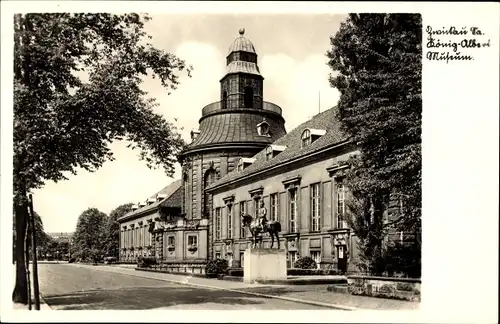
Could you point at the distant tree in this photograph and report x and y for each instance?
(43, 239)
(377, 65)
(62, 122)
(89, 237)
(113, 229)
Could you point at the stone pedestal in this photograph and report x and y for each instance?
(264, 264)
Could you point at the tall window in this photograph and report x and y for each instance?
(139, 230)
(208, 180)
(193, 240)
(316, 256)
(243, 211)
(229, 221)
(242, 259)
(171, 240)
(315, 207)
(248, 97)
(306, 137)
(273, 215)
(218, 225)
(224, 100)
(340, 205)
(292, 209)
(217, 255)
(292, 257)
(256, 206)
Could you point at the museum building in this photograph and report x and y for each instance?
(242, 155)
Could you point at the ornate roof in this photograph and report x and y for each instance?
(325, 121)
(237, 127)
(243, 66)
(242, 44)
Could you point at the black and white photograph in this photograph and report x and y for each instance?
(243, 161)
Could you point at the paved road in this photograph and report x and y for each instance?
(64, 286)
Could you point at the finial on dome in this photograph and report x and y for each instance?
(242, 31)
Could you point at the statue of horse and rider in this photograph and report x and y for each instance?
(260, 226)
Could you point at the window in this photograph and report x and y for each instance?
(292, 209)
(140, 235)
(242, 259)
(269, 153)
(340, 205)
(248, 99)
(306, 137)
(315, 207)
(192, 240)
(217, 255)
(218, 225)
(171, 240)
(229, 221)
(316, 256)
(243, 211)
(273, 215)
(256, 204)
(292, 257)
(224, 100)
(208, 180)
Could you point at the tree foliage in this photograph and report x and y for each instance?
(113, 230)
(77, 80)
(376, 60)
(89, 237)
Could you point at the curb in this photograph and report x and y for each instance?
(296, 300)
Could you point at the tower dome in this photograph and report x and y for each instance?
(242, 44)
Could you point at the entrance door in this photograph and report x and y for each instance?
(342, 259)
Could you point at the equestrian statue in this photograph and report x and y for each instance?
(261, 225)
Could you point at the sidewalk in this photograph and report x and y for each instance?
(308, 294)
(43, 305)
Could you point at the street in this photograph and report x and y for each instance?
(69, 287)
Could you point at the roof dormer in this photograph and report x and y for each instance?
(244, 162)
(263, 128)
(273, 150)
(150, 201)
(142, 204)
(309, 135)
(134, 207)
(160, 196)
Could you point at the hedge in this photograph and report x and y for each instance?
(292, 272)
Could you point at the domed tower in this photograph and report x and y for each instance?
(237, 126)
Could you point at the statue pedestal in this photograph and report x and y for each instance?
(264, 264)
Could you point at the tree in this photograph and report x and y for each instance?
(43, 239)
(376, 60)
(63, 122)
(89, 237)
(113, 229)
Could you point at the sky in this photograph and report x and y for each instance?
(291, 52)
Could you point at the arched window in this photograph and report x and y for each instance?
(306, 137)
(248, 97)
(224, 100)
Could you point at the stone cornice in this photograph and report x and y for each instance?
(229, 199)
(292, 183)
(256, 193)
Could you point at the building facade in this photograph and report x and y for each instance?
(296, 177)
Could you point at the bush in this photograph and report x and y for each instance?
(216, 267)
(71, 260)
(293, 272)
(305, 263)
(146, 262)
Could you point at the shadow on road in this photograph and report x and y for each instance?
(145, 298)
